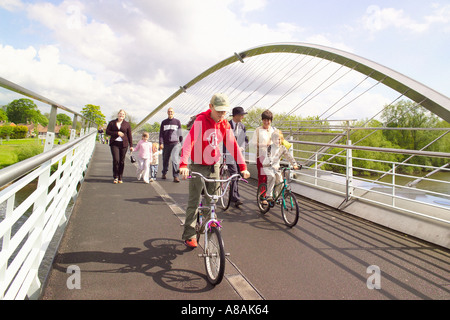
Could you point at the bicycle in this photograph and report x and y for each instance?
(224, 174)
(288, 201)
(213, 249)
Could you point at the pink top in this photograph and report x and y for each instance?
(145, 149)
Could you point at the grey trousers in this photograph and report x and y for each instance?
(195, 191)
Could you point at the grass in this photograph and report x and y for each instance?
(8, 155)
(16, 150)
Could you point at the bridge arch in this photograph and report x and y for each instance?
(432, 100)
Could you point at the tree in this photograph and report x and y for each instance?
(64, 131)
(406, 114)
(94, 114)
(3, 116)
(23, 111)
(63, 119)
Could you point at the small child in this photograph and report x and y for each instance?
(144, 158)
(155, 161)
(271, 163)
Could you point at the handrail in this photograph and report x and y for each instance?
(24, 244)
(19, 169)
(387, 150)
(58, 171)
(16, 88)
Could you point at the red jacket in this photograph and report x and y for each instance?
(202, 144)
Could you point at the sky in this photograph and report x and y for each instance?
(134, 54)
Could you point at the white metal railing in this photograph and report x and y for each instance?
(27, 228)
(392, 194)
(28, 225)
(389, 192)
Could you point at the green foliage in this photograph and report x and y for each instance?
(6, 131)
(150, 127)
(63, 119)
(94, 114)
(64, 131)
(3, 116)
(14, 132)
(19, 132)
(23, 111)
(407, 114)
(28, 151)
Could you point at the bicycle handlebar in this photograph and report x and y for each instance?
(204, 179)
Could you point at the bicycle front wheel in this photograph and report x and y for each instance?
(289, 209)
(214, 256)
(261, 198)
(226, 199)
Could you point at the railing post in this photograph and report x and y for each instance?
(393, 184)
(50, 137)
(349, 172)
(73, 131)
(5, 244)
(316, 159)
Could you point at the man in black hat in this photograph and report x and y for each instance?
(239, 132)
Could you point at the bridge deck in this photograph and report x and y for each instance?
(126, 240)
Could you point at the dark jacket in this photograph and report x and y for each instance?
(113, 131)
(170, 132)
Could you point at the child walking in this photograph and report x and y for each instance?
(155, 161)
(144, 158)
(271, 164)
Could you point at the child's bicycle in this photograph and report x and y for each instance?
(213, 249)
(287, 200)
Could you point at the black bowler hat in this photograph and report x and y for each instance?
(238, 110)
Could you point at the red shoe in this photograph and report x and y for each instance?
(191, 243)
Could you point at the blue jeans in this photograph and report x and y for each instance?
(153, 171)
(171, 151)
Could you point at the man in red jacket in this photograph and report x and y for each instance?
(201, 146)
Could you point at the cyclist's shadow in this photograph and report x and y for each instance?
(159, 254)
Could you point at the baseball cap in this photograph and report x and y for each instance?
(238, 110)
(220, 102)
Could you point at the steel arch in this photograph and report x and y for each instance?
(416, 91)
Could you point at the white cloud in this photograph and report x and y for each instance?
(253, 5)
(441, 14)
(134, 54)
(11, 5)
(378, 19)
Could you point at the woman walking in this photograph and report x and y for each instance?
(120, 132)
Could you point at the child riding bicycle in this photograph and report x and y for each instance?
(201, 146)
(271, 164)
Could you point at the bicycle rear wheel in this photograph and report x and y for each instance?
(261, 198)
(289, 209)
(226, 199)
(214, 256)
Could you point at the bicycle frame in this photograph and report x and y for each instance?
(285, 184)
(214, 197)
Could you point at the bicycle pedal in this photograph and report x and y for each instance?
(227, 254)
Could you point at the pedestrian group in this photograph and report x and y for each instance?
(200, 151)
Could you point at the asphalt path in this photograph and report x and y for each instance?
(123, 242)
